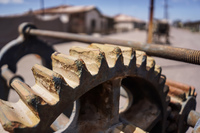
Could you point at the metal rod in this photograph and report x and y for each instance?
(9, 76)
(192, 118)
(168, 52)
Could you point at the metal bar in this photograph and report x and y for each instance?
(168, 52)
(9, 76)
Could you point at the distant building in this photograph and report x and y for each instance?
(126, 23)
(64, 18)
(193, 26)
(177, 23)
(80, 19)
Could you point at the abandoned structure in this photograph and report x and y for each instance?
(193, 26)
(75, 19)
(177, 23)
(126, 23)
(79, 19)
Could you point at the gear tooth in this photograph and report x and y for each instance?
(26, 94)
(5, 122)
(193, 93)
(103, 67)
(47, 82)
(144, 61)
(169, 110)
(16, 115)
(162, 81)
(166, 89)
(95, 45)
(140, 57)
(189, 92)
(119, 63)
(127, 53)
(157, 72)
(132, 63)
(71, 68)
(168, 100)
(141, 63)
(112, 53)
(91, 57)
(150, 63)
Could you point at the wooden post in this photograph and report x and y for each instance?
(150, 28)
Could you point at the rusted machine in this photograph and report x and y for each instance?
(83, 91)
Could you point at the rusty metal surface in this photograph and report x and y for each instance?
(179, 91)
(92, 76)
(168, 52)
(86, 84)
(183, 101)
(181, 86)
(193, 117)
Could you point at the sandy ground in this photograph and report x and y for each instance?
(178, 71)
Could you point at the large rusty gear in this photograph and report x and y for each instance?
(91, 79)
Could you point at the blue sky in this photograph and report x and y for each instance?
(186, 10)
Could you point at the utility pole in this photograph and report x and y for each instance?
(42, 6)
(150, 27)
(166, 10)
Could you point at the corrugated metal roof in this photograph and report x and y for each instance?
(126, 18)
(66, 9)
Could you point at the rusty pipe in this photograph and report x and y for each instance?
(168, 52)
(174, 85)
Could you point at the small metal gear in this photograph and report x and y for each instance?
(183, 100)
(90, 78)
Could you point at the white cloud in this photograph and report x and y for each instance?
(18, 1)
(4, 1)
(11, 1)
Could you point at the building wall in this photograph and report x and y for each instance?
(9, 27)
(124, 26)
(195, 27)
(53, 23)
(77, 23)
(92, 21)
(104, 24)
